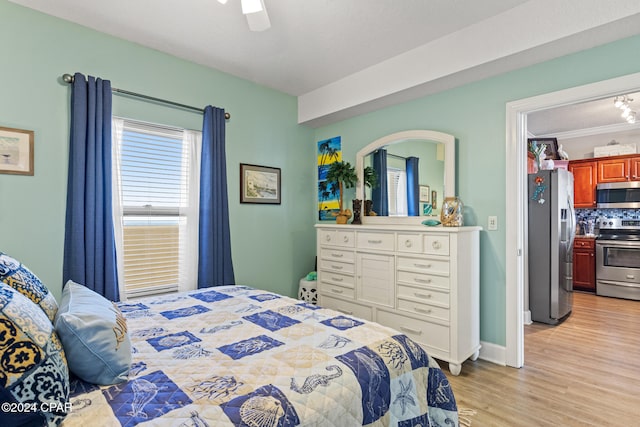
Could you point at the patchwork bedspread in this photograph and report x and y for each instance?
(239, 356)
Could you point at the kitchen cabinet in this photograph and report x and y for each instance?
(424, 282)
(584, 183)
(584, 264)
(613, 170)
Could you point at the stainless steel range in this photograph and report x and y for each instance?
(618, 258)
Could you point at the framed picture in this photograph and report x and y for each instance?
(259, 184)
(16, 151)
(551, 146)
(425, 194)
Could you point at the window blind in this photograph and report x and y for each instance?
(154, 175)
(397, 191)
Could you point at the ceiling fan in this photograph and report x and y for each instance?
(256, 14)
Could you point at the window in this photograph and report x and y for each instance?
(156, 193)
(397, 191)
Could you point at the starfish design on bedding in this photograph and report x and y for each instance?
(404, 397)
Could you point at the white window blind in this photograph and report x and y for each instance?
(156, 187)
(397, 191)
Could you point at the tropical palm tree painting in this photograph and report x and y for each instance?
(329, 151)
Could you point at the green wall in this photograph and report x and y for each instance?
(475, 114)
(273, 246)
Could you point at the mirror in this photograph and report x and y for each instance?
(436, 167)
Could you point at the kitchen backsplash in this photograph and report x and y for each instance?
(594, 214)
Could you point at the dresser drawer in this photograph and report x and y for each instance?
(424, 309)
(424, 265)
(424, 332)
(344, 280)
(342, 238)
(336, 255)
(428, 296)
(337, 266)
(436, 244)
(379, 241)
(423, 280)
(346, 307)
(411, 243)
(330, 289)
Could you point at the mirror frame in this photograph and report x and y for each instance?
(449, 143)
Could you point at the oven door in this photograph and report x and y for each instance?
(618, 261)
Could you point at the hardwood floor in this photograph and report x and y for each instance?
(584, 372)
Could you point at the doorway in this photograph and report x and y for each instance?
(516, 185)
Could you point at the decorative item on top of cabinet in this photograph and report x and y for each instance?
(422, 282)
(584, 264)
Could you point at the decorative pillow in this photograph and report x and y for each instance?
(93, 332)
(33, 369)
(19, 277)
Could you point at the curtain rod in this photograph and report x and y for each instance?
(68, 78)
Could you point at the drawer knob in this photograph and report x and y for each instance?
(411, 331)
(337, 279)
(337, 267)
(345, 239)
(436, 245)
(419, 280)
(349, 313)
(336, 291)
(374, 242)
(337, 255)
(422, 310)
(422, 265)
(327, 238)
(427, 296)
(407, 243)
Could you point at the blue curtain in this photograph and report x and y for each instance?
(89, 244)
(215, 267)
(379, 193)
(413, 187)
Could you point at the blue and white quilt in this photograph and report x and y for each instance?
(237, 356)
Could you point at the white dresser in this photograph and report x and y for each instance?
(422, 281)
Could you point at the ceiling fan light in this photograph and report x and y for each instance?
(252, 6)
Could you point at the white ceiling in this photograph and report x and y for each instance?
(346, 57)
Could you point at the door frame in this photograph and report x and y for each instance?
(516, 191)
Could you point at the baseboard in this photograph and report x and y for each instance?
(527, 317)
(493, 353)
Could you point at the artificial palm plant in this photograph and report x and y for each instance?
(345, 175)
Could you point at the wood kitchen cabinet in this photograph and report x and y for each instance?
(619, 169)
(584, 183)
(584, 264)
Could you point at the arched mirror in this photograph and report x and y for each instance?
(415, 166)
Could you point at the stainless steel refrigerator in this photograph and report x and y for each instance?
(552, 225)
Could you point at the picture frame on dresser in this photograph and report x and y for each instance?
(16, 151)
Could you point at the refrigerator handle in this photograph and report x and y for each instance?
(572, 228)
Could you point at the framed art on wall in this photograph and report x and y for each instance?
(550, 147)
(16, 151)
(425, 194)
(259, 184)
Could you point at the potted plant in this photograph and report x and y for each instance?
(370, 180)
(345, 175)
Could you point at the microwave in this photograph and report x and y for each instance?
(618, 195)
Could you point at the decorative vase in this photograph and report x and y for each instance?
(368, 205)
(343, 216)
(451, 212)
(357, 209)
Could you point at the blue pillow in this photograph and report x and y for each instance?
(33, 368)
(94, 335)
(20, 278)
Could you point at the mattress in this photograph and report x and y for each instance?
(238, 356)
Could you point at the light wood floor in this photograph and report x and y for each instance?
(584, 372)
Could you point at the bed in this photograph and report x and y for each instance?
(239, 356)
